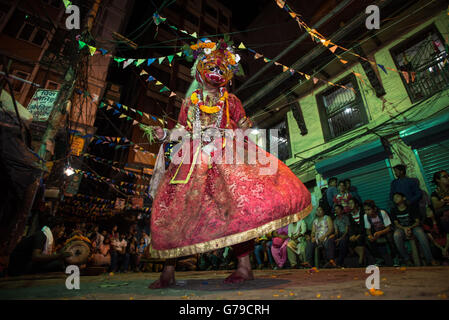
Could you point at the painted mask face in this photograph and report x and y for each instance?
(213, 69)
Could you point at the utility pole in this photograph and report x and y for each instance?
(65, 93)
(18, 222)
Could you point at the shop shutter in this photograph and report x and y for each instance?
(372, 182)
(433, 158)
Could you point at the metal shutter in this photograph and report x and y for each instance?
(372, 182)
(433, 158)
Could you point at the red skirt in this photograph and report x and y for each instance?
(204, 206)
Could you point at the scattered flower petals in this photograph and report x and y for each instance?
(375, 292)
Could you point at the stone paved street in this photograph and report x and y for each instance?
(396, 283)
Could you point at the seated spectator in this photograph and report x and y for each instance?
(378, 227)
(119, 256)
(342, 197)
(357, 230)
(146, 238)
(35, 254)
(131, 249)
(263, 246)
(102, 257)
(352, 190)
(406, 220)
(113, 233)
(140, 253)
(440, 198)
(324, 203)
(439, 239)
(341, 227)
(211, 260)
(98, 238)
(279, 246)
(331, 193)
(405, 185)
(296, 248)
(322, 236)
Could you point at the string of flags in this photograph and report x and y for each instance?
(112, 141)
(291, 70)
(123, 186)
(319, 38)
(103, 203)
(118, 111)
(113, 165)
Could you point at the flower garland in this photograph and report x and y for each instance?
(197, 99)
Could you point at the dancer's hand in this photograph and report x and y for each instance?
(245, 123)
(159, 132)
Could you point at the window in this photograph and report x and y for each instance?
(52, 85)
(190, 17)
(421, 60)
(281, 142)
(224, 19)
(209, 29)
(209, 10)
(17, 85)
(32, 34)
(53, 3)
(341, 110)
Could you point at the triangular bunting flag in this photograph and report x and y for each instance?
(413, 76)
(119, 60)
(307, 76)
(150, 61)
(127, 63)
(103, 51)
(326, 43)
(92, 50)
(161, 59)
(81, 44)
(333, 49)
(164, 89)
(194, 35)
(241, 46)
(383, 68)
(257, 56)
(172, 94)
(284, 68)
(158, 83)
(315, 80)
(179, 54)
(343, 61)
(143, 72)
(170, 58)
(280, 3)
(122, 116)
(139, 62)
(150, 78)
(406, 76)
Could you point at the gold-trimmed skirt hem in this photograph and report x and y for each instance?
(229, 240)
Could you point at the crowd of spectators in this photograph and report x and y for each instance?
(347, 231)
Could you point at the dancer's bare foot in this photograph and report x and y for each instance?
(243, 272)
(166, 279)
(240, 275)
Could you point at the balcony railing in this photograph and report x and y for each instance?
(430, 77)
